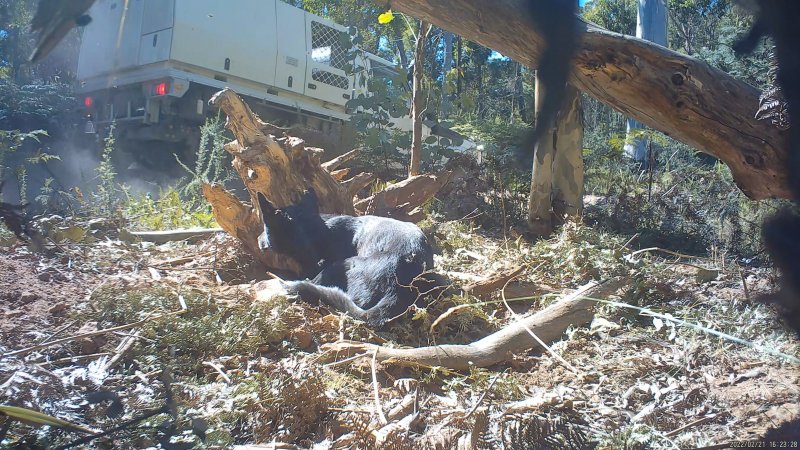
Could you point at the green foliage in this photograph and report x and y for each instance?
(753, 68)
(213, 163)
(498, 135)
(16, 43)
(614, 15)
(12, 141)
(22, 182)
(35, 104)
(686, 204)
(361, 14)
(206, 330)
(171, 210)
(694, 24)
(638, 437)
(106, 195)
(46, 192)
(373, 115)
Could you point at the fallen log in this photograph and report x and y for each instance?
(400, 200)
(358, 182)
(341, 159)
(280, 168)
(548, 324)
(162, 237)
(493, 283)
(678, 95)
(339, 175)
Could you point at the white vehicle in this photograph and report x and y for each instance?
(152, 65)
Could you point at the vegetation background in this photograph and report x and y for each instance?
(232, 371)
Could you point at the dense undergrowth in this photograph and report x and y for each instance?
(211, 367)
(229, 370)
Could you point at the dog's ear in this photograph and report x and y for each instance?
(265, 206)
(309, 202)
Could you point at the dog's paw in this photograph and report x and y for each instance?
(290, 290)
(268, 289)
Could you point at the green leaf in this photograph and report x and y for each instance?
(430, 139)
(32, 417)
(397, 113)
(345, 41)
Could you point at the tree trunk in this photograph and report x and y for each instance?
(651, 25)
(418, 100)
(401, 47)
(540, 204)
(557, 177)
(568, 162)
(683, 97)
(444, 109)
(458, 70)
(519, 93)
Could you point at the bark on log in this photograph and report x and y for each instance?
(164, 236)
(678, 95)
(339, 175)
(400, 200)
(358, 182)
(341, 159)
(283, 169)
(548, 324)
(493, 283)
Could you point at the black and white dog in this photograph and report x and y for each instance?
(367, 266)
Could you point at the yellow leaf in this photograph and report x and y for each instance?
(386, 17)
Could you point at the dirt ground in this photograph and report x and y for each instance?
(36, 296)
(675, 383)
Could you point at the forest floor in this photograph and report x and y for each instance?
(202, 363)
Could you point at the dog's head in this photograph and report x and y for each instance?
(296, 231)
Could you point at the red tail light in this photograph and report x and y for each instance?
(88, 102)
(161, 89)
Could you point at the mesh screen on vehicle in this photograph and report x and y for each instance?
(326, 48)
(323, 76)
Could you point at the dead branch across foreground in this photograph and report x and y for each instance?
(548, 325)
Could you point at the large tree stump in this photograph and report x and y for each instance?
(282, 168)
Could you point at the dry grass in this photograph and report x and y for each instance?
(251, 372)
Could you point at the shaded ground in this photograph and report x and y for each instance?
(36, 296)
(252, 372)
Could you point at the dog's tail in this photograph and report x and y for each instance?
(331, 296)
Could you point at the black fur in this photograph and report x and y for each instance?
(779, 19)
(555, 20)
(367, 266)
